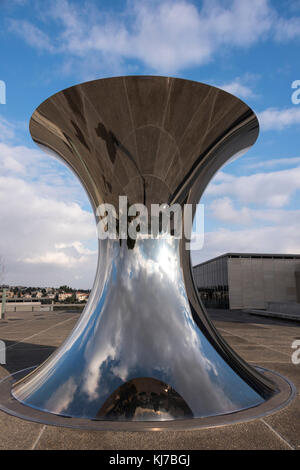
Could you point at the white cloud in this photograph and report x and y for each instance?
(44, 232)
(273, 239)
(34, 36)
(7, 130)
(287, 29)
(164, 35)
(277, 119)
(45, 235)
(250, 214)
(60, 258)
(223, 210)
(272, 189)
(237, 88)
(275, 162)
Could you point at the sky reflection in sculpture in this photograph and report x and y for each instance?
(144, 339)
(127, 337)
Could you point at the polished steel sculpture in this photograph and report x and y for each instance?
(143, 348)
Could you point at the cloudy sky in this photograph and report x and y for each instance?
(249, 48)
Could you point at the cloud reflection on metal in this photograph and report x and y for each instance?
(144, 349)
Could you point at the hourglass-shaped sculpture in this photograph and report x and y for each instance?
(144, 348)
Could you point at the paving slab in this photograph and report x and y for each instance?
(252, 436)
(287, 369)
(256, 353)
(287, 316)
(32, 337)
(287, 423)
(17, 434)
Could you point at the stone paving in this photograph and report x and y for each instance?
(31, 337)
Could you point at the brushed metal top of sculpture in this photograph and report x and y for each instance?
(143, 348)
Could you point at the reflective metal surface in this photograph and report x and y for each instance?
(144, 349)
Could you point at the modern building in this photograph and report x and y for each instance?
(248, 280)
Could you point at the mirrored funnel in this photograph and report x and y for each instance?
(144, 348)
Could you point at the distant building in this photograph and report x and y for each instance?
(248, 280)
(82, 296)
(63, 296)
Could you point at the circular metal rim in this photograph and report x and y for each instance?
(8, 404)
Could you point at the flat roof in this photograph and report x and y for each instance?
(251, 255)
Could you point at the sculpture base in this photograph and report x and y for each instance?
(10, 405)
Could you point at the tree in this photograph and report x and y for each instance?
(66, 289)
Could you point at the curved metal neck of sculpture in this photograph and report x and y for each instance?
(144, 348)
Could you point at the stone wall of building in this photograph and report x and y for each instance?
(255, 281)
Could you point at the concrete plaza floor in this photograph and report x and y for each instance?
(31, 337)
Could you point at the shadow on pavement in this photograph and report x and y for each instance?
(22, 355)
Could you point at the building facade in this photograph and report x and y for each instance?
(242, 280)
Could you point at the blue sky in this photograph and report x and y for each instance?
(248, 48)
